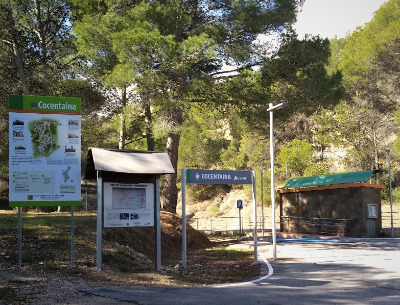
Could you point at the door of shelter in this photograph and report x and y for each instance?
(202, 176)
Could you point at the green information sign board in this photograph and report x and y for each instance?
(203, 176)
(44, 151)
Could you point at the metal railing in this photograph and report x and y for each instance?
(386, 219)
(228, 224)
(315, 225)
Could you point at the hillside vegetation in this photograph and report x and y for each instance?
(200, 90)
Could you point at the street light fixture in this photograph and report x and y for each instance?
(271, 110)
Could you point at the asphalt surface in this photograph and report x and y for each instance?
(345, 271)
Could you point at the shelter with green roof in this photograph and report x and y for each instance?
(345, 204)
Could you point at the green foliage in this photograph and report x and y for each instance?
(316, 169)
(298, 155)
(202, 137)
(247, 87)
(396, 144)
(337, 126)
(358, 131)
(202, 192)
(232, 157)
(212, 210)
(363, 45)
(167, 56)
(396, 195)
(255, 147)
(38, 36)
(336, 46)
(92, 98)
(362, 124)
(135, 125)
(299, 75)
(264, 189)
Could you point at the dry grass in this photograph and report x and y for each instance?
(128, 255)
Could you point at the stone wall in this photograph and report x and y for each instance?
(341, 211)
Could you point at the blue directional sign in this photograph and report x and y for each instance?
(203, 176)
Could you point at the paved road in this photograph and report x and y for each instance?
(356, 271)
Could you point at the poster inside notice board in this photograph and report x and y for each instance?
(128, 205)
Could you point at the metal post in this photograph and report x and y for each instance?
(391, 199)
(271, 145)
(99, 218)
(19, 238)
(271, 110)
(262, 199)
(255, 218)
(240, 223)
(158, 224)
(72, 237)
(183, 183)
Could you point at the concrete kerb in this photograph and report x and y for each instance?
(266, 268)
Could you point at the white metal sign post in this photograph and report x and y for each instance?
(202, 176)
(271, 110)
(99, 259)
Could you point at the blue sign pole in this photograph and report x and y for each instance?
(239, 205)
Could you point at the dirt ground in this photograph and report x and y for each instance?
(45, 278)
(38, 284)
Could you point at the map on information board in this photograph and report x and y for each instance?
(128, 205)
(128, 198)
(44, 137)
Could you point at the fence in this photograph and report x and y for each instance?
(228, 224)
(318, 226)
(315, 225)
(386, 219)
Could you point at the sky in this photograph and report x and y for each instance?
(330, 18)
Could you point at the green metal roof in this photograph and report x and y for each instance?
(329, 179)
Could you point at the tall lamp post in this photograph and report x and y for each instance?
(271, 110)
(391, 198)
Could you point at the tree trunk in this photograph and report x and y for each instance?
(122, 130)
(170, 190)
(148, 122)
(40, 33)
(16, 53)
(20, 67)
